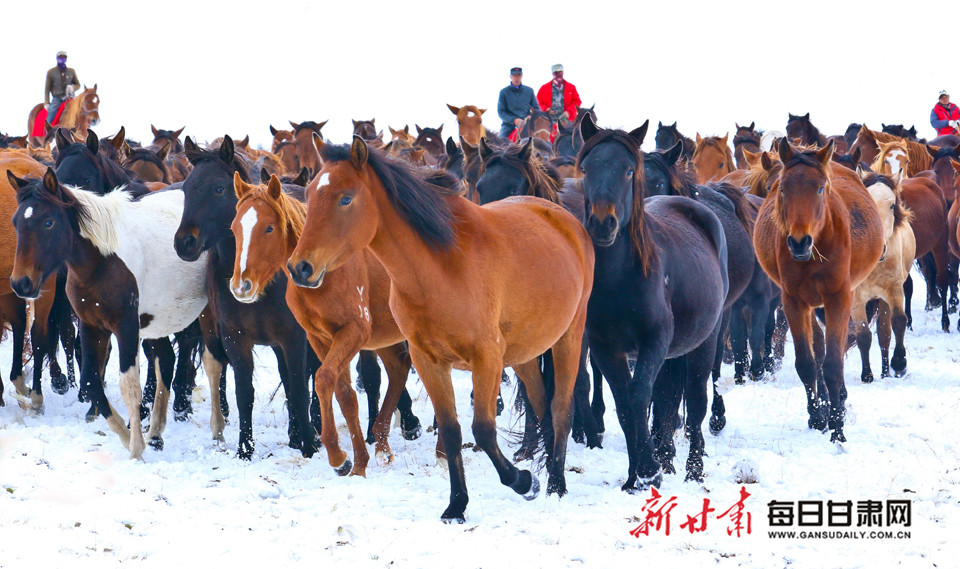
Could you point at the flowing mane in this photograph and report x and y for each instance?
(760, 179)
(420, 202)
(112, 173)
(682, 181)
(640, 237)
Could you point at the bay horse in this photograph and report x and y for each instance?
(818, 236)
(118, 282)
(659, 288)
(209, 208)
(402, 134)
(493, 286)
(886, 280)
(745, 138)
(431, 140)
(149, 165)
(80, 113)
(268, 225)
(367, 130)
(303, 140)
(163, 137)
(279, 136)
(668, 135)
(801, 127)
(712, 158)
(538, 124)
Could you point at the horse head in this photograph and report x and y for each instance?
(804, 186)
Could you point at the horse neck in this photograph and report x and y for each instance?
(84, 260)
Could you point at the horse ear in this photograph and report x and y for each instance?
(955, 164)
(50, 182)
(406, 129)
(440, 132)
(119, 138)
(765, 161)
(750, 158)
(294, 125)
(931, 150)
(164, 151)
(419, 130)
(956, 150)
(785, 150)
(239, 186)
(93, 143)
(724, 139)
(453, 109)
(245, 143)
(62, 140)
(94, 88)
(806, 116)
(320, 125)
(671, 156)
(302, 178)
(417, 154)
(153, 129)
(359, 153)
(177, 133)
(485, 151)
(451, 146)
(14, 181)
(191, 149)
(736, 126)
(753, 125)
(481, 111)
(674, 125)
(640, 133)
(699, 140)
(318, 142)
(274, 187)
(354, 123)
(386, 149)
(373, 122)
(273, 131)
(588, 128)
(226, 149)
(826, 153)
(525, 152)
(264, 176)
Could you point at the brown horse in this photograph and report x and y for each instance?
(279, 136)
(81, 112)
(149, 165)
(868, 141)
(923, 197)
(892, 158)
(348, 313)
(712, 158)
(746, 138)
(402, 134)
(818, 236)
(471, 125)
(303, 139)
(476, 288)
(886, 280)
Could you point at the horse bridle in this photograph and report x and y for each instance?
(83, 106)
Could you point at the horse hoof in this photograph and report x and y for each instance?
(667, 466)
(556, 485)
(245, 451)
(384, 458)
(59, 384)
(867, 378)
(595, 441)
(308, 450)
(451, 516)
(837, 436)
(739, 380)
(156, 443)
(533, 486)
(525, 452)
(655, 480)
(717, 424)
(344, 468)
(370, 439)
(900, 372)
(413, 433)
(181, 416)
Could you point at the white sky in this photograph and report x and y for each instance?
(237, 67)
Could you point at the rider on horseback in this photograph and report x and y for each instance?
(60, 86)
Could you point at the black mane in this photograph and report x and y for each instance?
(112, 173)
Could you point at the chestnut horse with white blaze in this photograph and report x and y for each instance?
(475, 288)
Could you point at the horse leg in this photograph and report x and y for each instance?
(667, 396)
(347, 399)
(898, 322)
(165, 360)
(369, 375)
(861, 326)
(213, 364)
(581, 401)
(17, 315)
(295, 383)
(397, 362)
(240, 354)
(150, 389)
(409, 422)
(759, 307)
(697, 372)
(907, 297)
(531, 424)
(738, 341)
(436, 380)
(95, 345)
(928, 267)
(128, 344)
(953, 266)
(941, 261)
(218, 360)
(597, 404)
(189, 342)
(838, 318)
(799, 318)
(336, 357)
(883, 337)
(779, 339)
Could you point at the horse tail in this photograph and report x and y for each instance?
(741, 204)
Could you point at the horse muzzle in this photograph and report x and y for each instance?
(244, 292)
(800, 250)
(302, 275)
(26, 288)
(603, 232)
(187, 245)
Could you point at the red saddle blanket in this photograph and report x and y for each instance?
(39, 128)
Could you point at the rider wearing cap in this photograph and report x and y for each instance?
(945, 116)
(559, 97)
(515, 103)
(60, 85)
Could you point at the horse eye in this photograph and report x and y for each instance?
(48, 224)
(88, 180)
(820, 191)
(345, 200)
(219, 190)
(629, 173)
(269, 229)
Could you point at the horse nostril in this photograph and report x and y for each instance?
(304, 270)
(247, 285)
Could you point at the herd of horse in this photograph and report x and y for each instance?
(475, 254)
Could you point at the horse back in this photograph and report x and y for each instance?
(923, 197)
(865, 226)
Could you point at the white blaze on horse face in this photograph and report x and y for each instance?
(470, 114)
(247, 223)
(28, 213)
(893, 159)
(324, 181)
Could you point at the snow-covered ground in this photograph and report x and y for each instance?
(69, 497)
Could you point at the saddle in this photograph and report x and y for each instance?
(39, 123)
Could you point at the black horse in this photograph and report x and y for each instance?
(668, 135)
(751, 293)
(660, 283)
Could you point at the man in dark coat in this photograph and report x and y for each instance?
(515, 103)
(60, 85)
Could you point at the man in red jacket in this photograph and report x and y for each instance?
(944, 117)
(560, 98)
